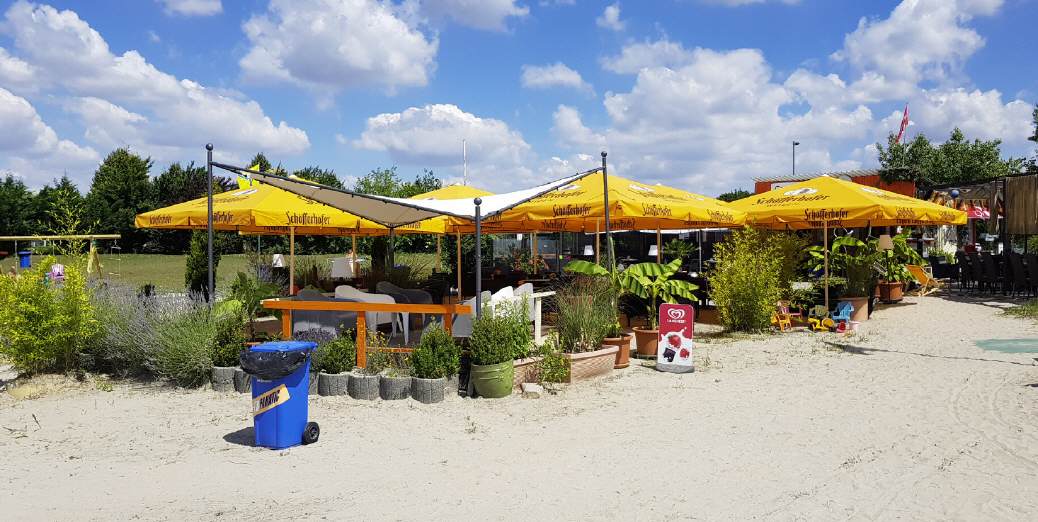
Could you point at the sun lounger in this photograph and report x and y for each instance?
(927, 284)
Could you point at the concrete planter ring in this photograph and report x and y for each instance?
(223, 378)
(394, 388)
(362, 386)
(329, 384)
(242, 381)
(428, 391)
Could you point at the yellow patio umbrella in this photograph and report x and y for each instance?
(825, 202)
(579, 207)
(261, 209)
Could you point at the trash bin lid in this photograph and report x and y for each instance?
(284, 346)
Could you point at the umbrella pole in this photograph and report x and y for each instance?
(458, 259)
(825, 252)
(291, 260)
(211, 280)
(353, 255)
(597, 246)
(439, 252)
(533, 253)
(605, 203)
(479, 259)
(659, 245)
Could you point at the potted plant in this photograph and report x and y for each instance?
(436, 358)
(586, 310)
(653, 282)
(499, 336)
(894, 258)
(364, 382)
(616, 336)
(333, 361)
(856, 260)
(395, 381)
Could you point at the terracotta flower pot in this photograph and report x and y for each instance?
(861, 308)
(647, 340)
(890, 292)
(623, 355)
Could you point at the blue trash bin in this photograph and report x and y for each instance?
(24, 259)
(280, 382)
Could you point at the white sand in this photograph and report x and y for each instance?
(920, 424)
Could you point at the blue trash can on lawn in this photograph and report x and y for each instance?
(24, 259)
(280, 381)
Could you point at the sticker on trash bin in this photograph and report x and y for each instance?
(270, 400)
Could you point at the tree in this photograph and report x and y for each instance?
(63, 195)
(120, 190)
(16, 207)
(319, 175)
(178, 184)
(386, 182)
(197, 270)
(734, 195)
(957, 160)
(260, 161)
(380, 182)
(1032, 165)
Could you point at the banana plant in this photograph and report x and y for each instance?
(650, 281)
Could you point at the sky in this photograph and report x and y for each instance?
(703, 95)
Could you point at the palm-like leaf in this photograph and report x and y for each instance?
(579, 266)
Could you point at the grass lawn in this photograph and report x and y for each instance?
(166, 272)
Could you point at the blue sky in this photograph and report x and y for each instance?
(699, 94)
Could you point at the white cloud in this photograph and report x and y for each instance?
(637, 56)
(328, 45)
(124, 99)
(31, 148)
(920, 40)
(554, 75)
(192, 7)
(489, 15)
(154, 37)
(431, 135)
(980, 114)
(610, 18)
(16, 73)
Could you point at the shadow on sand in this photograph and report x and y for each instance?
(862, 350)
(242, 437)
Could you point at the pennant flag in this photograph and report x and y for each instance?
(245, 180)
(904, 124)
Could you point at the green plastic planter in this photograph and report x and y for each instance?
(493, 381)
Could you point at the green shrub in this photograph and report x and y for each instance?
(130, 324)
(746, 280)
(197, 269)
(251, 292)
(586, 313)
(229, 337)
(436, 356)
(45, 326)
(501, 334)
(336, 356)
(186, 347)
(554, 367)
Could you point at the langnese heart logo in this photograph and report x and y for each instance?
(676, 314)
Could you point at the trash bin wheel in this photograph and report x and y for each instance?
(311, 432)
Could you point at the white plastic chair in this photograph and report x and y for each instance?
(462, 323)
(375, 319)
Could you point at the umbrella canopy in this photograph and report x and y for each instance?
(442, 224)
(260, 209)
(578, 207)
(397, 212)
(830, 202)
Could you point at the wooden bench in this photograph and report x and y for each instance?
(287, 305)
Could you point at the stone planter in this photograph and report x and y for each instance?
(223, 378)
(493, 381)
(647, 341)
(428, 391)
(623, 355)
(526, 370)
(329, 384)
(363, 386)
(588, 365)
(451, 385)
(242, 381)
(394, 388)
(861, 308)
(890, 292)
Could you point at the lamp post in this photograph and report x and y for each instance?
(795, 143)
(209, 224)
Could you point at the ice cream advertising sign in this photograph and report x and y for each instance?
(675, 346)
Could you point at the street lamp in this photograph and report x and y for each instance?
(795, 143)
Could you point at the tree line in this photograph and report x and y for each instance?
(123, 186)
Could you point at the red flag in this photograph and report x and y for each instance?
(904, 125)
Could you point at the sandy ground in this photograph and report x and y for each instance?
(907, 419)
